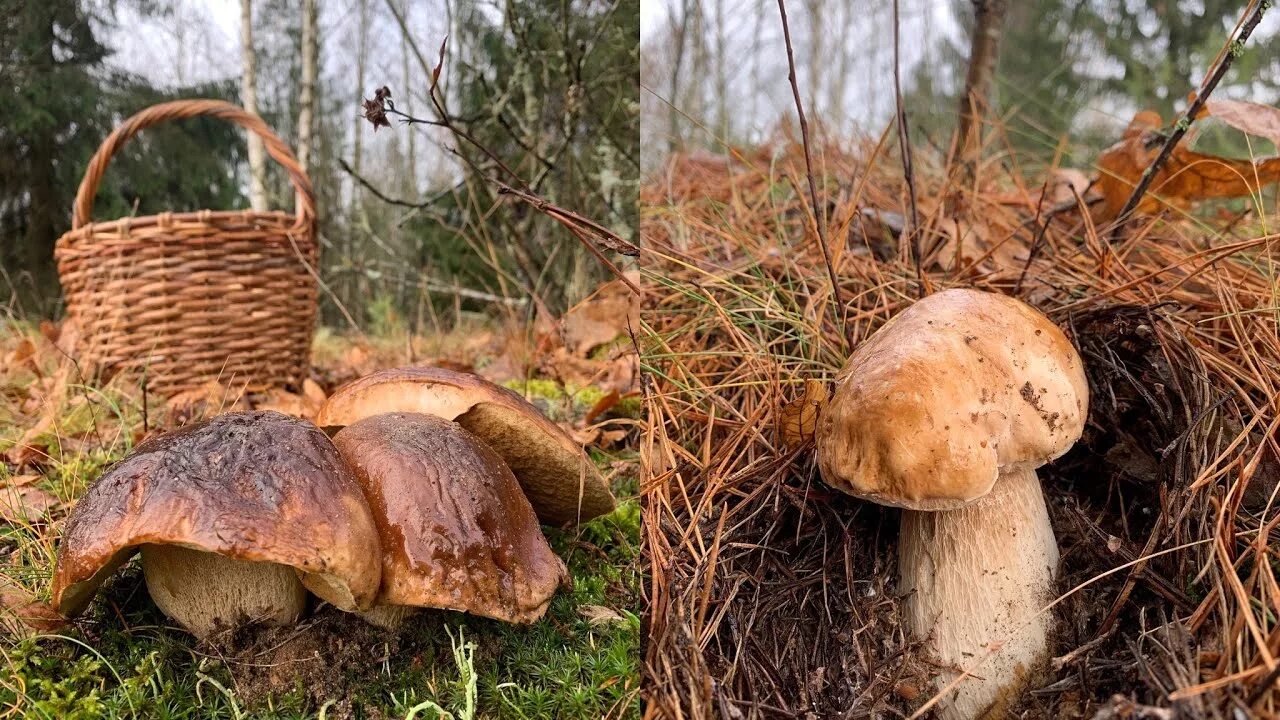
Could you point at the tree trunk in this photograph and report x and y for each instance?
(984, 50)
(411, 159)
(347, 291)
(249, 96)
(307, 99)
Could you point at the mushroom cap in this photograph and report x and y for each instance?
(457, 531)
(561, 482)
(253, 486)
(953, 390)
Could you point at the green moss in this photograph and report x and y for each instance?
(124, 662)
(536, 388)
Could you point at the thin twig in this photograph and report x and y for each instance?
(1233, 48)
(904, 144)
(819, 215)
(587, 232)
(387, 198)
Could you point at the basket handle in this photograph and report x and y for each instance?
(180, 110)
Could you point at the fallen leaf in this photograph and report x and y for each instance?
(1186, 177)
(601, 318)
(207, 400)
(1248, 117)
(23, 354)
(356, 359)
(1065, 184)
(600, 615)
(798, 419)
(602, 406)
(609, 438)
(25, 504)
(583, 437)
(281, 401)
(22, 614)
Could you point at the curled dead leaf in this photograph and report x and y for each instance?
(1186, 177)
(1247, 117)
(798, 419)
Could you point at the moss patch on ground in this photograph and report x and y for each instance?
(123, 658)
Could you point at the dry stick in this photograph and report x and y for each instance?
(819, 215)
(904, 144)
(1232, 49)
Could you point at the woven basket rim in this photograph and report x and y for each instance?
(193, 217)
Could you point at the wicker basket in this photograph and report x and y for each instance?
(189, 297)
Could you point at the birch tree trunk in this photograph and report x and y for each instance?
(249, 97)
(307, 95)
(411, 160)
(362, 48)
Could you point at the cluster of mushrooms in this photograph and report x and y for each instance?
(429, 494)
(946, 411)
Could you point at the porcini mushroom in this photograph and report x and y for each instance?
(457, 531)
(560, 480)
(947, 411)
(235, 518)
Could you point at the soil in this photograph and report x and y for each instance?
(328, 657)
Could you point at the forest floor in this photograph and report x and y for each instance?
(774, 596)
(123, 658)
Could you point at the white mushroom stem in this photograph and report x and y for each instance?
(975, 581)
(206, 592)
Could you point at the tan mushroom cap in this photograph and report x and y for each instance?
(956, 388)
(252, 486)
(561, 482)
(457, 531)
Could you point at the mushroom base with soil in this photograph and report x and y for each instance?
(975, 581)
(206, 592)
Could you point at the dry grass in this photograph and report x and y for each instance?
(773, 596)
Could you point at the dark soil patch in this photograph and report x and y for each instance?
(329, 657)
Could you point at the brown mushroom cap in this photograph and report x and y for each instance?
(560, 480)
(255, 486)
(956, 388)
(457, 531)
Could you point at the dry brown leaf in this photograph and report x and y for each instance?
(1248, 117)
(1187, 176)
(583, 437)
(601, 318)
(21, 614)
(610, 438)
(312, 391)
(23, 354)
(207, 400)
(357, 359)
(968, 243)
(24, 504)
(1065, 184)
(799, 418)
(602, 406)
(282, 401)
